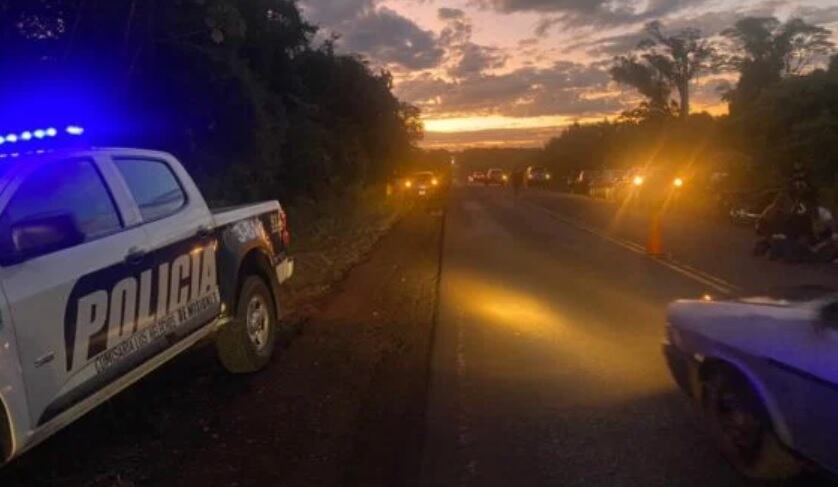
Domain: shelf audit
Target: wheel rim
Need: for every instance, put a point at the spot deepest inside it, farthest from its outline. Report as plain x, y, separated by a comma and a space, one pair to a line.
258, 322
740, 427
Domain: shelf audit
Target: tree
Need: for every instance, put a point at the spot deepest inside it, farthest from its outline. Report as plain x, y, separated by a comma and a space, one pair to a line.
763, 50
236, 88
665, 63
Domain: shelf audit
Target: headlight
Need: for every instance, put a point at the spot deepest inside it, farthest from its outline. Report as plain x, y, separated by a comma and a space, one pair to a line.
548, 177
408, 184
638, 180
434, 181
505, 177
678, 182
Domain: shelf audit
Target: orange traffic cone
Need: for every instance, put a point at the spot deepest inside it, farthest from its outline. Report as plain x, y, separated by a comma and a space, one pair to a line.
654, 246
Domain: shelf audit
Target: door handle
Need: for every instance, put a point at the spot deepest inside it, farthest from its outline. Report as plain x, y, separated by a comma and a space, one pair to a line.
45, 359
203, 233
135, 256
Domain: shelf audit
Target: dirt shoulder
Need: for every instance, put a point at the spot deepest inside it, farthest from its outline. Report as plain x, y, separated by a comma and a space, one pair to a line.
344, 404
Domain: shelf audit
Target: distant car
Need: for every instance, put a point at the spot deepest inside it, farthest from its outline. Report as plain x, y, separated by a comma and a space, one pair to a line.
537, 177
421, 184
477, 177
608, 184
580, 183
765, 370
496, 177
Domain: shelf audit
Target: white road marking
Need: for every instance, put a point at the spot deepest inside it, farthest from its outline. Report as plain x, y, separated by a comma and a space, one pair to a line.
690, 272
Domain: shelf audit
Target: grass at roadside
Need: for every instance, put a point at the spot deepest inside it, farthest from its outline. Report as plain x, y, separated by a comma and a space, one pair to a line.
330, 237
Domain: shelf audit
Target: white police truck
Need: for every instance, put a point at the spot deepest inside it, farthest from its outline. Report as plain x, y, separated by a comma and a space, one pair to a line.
765, 371
111, 264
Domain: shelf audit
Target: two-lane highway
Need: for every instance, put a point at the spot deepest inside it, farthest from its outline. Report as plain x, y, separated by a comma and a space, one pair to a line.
547, 367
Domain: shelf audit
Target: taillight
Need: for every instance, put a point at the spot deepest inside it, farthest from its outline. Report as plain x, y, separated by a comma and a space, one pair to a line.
285, 234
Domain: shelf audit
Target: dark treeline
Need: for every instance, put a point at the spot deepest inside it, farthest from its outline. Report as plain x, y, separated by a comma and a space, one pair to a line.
783, 106
238, 89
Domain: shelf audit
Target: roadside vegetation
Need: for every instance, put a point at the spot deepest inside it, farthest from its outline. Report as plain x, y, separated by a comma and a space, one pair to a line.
782, 94
246, 93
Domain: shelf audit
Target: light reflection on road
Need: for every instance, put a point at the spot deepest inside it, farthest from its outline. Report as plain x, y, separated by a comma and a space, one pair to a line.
572, 346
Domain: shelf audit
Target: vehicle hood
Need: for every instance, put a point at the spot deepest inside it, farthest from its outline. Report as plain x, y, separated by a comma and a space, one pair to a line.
754, 324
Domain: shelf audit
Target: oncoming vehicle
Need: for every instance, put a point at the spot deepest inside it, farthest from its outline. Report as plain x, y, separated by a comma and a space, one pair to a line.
496, 177
654, 184
422, 184
765, 370
537, 177
112, 264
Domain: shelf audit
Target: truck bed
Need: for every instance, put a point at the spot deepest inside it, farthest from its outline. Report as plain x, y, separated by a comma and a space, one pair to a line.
226, 215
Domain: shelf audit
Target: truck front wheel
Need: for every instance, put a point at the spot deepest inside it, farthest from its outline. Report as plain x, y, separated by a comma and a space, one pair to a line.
247, 343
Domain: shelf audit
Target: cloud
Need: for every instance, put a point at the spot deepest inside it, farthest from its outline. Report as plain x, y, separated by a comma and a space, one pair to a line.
476, 59
445, 13
588, 12
566, 88
388, 37
329, 13
710, 23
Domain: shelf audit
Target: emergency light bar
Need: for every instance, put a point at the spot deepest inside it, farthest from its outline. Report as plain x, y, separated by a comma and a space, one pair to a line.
27, 136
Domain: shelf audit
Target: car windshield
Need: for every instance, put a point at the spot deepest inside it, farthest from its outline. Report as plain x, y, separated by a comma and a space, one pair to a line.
423, 178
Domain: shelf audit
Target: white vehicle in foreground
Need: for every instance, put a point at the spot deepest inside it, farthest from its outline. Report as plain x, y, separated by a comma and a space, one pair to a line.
765, 371
111, 264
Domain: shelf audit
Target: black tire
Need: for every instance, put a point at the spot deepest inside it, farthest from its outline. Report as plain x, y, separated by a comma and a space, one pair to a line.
743, 429
243, 346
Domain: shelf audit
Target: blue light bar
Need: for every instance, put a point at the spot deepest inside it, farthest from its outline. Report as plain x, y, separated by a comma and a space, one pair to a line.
74, 130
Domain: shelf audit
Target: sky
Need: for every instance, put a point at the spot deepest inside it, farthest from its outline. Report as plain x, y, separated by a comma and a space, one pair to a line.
516, 72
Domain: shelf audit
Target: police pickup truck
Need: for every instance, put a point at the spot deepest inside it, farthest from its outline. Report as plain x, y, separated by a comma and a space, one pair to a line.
765, 371
111, 264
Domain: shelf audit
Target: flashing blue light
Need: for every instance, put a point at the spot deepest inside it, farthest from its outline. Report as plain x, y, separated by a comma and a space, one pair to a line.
2, 140
26, 136
11, 138
51, 132
39, 134
75, 130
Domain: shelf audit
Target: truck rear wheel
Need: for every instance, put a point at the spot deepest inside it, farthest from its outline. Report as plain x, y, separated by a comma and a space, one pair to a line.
743, 429
247, 343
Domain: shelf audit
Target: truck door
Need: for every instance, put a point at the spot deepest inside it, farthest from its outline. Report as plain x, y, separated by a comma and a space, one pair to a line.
63, 249
182, 241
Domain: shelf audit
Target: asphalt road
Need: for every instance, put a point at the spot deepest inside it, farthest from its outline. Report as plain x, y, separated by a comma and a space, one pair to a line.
546, 368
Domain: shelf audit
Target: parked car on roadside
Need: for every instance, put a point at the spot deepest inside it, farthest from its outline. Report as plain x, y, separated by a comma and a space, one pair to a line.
580, 183
496, 177
765, 371
746, 207
607, 184
112, 264
477, 177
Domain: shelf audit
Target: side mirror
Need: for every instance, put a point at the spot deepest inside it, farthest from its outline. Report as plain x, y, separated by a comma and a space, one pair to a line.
39, 236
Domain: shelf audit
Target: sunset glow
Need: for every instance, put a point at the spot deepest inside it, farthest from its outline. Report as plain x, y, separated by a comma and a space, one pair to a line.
516, 72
